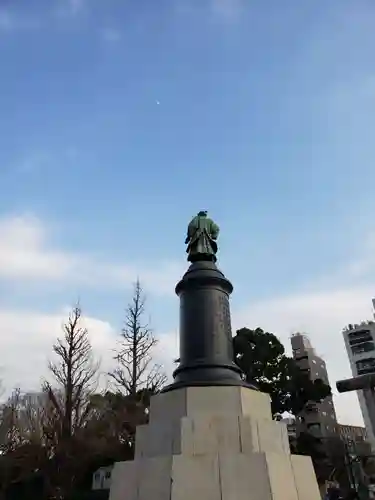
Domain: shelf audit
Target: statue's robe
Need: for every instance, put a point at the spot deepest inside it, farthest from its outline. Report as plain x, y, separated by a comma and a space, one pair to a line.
201, 235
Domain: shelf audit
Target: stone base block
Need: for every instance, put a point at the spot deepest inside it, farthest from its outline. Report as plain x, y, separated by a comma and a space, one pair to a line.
223, 476
193, 401
211, 434
213, 443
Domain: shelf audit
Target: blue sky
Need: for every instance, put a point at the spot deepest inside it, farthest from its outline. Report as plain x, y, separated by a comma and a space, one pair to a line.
121, 119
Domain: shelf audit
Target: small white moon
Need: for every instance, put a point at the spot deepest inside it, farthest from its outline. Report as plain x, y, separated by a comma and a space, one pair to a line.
158, 103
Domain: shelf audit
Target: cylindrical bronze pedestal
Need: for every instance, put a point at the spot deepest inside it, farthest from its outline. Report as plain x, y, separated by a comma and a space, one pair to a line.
206, 352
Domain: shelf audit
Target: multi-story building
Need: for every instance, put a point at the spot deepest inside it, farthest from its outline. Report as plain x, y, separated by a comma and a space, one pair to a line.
355, 440
353, 433
318, 419
360, 345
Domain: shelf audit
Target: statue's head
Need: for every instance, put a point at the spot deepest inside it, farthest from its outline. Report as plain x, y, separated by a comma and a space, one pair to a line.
202, 213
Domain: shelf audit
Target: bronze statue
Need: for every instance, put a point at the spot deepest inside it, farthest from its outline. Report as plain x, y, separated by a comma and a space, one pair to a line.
201, 238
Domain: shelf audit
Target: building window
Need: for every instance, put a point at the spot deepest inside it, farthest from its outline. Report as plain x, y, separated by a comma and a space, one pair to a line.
365, 365
364, 347
324, 413
311, 408
314, 428
359, 337
301, 358
305, 370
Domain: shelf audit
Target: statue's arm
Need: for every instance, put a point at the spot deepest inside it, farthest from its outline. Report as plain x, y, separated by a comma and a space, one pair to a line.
214, 230
192, 227
188, 237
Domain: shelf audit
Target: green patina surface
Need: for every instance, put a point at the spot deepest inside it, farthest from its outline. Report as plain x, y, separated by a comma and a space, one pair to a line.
201, 238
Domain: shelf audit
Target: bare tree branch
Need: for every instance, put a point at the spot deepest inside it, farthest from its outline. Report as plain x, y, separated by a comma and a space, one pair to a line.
134, 370
76, 375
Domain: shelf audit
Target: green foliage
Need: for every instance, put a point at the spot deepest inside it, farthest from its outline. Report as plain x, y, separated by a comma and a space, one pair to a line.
107, 437
261, 357
119, 415
309, 445
32, 460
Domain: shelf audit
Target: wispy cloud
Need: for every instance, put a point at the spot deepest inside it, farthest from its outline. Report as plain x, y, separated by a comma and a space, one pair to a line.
6, 22
26, 339
9, 22
228, 10
33, 163
35, 349
76, 5
111, 35
322, 315
222, 10
26, 254
322, 309
23, 252
39, 161
70, 8
364, 264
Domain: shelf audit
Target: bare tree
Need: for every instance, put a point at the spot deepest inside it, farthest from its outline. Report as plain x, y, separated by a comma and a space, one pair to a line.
47, 432
10, 423
21, 437
135, 371
21, 420
76, 373
67, 405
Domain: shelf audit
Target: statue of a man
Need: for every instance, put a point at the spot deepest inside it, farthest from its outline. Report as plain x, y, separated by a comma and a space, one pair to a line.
201, 238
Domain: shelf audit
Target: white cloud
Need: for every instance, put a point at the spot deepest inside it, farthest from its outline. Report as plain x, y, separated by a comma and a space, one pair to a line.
26, 339
167, 351
25, 253
322, 315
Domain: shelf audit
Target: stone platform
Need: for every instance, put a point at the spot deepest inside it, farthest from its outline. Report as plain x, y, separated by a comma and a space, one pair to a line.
213, 443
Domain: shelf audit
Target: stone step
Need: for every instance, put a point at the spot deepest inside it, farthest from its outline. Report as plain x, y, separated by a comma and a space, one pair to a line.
191, 401
209, 434
220, 476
